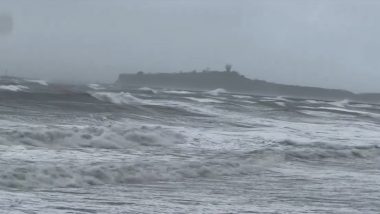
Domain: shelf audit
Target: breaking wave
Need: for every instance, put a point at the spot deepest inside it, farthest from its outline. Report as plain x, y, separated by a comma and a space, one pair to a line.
342, 111
179, 92
110, 152
124, 98
41, 82
121, 98
204, 100
37, 175
216, 92
123, 136
341, 103
13, 87
148, 90
176, 167
316, 151
113, 137
136, 144
95, 86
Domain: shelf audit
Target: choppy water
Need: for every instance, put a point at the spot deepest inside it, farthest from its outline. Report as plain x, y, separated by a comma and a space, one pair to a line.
147, 151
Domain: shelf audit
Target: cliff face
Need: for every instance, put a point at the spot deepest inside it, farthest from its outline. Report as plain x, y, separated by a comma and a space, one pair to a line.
231, 81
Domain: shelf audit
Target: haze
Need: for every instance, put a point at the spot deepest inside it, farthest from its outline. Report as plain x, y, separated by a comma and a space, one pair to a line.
326, 43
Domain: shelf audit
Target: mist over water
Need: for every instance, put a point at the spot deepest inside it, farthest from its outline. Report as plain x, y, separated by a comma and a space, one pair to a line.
6, 24
332, 44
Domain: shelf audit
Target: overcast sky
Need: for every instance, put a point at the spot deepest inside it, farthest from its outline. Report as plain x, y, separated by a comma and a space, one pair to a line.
327, 43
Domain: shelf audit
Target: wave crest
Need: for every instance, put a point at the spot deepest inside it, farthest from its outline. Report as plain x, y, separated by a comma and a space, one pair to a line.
121, 98
316, 151
114, 137
216, 92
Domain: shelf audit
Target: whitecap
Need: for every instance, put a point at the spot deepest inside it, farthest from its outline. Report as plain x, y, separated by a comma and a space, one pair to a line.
204, 100
242, 96
13, 87
95, 86
280, 104
121, 98
178, 92
341, 103
216, 92
147, 89
41, 82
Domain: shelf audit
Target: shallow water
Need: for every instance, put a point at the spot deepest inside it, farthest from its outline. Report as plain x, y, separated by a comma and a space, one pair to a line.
165, 151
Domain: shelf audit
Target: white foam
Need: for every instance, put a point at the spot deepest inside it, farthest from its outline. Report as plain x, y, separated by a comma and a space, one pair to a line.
278, 98
321, 114
281, 104
121, 153
124, 98
41, 82
364, 113
216, 92
112, 136
204, 100
95, 86
359, 105
178, 92
341, 103
134, 169
314, 101
147, 89
121, 98
248, 101
281, 98
242, 96
108, 155
344, 110
13, 87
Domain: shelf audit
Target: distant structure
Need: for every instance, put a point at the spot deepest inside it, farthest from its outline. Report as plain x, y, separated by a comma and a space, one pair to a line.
230, 80
228, 67
190, 80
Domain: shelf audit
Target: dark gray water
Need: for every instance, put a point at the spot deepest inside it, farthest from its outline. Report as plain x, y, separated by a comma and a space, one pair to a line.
165, 151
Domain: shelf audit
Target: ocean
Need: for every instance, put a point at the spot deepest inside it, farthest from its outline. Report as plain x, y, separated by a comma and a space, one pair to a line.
176, 151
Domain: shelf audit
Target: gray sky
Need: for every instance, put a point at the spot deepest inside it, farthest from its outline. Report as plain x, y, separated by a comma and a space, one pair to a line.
328, 43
